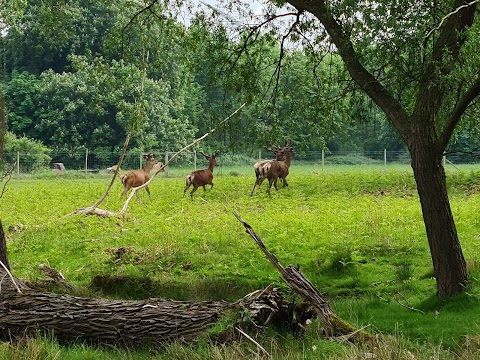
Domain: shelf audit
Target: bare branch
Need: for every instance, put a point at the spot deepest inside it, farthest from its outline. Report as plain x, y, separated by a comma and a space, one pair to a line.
11, 277
450, 14
161, 168
278, 68
8, 176
254, 342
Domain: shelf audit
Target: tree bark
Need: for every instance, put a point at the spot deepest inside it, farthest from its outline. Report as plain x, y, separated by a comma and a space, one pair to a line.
3, 247
3, 125
99, 321
449, 264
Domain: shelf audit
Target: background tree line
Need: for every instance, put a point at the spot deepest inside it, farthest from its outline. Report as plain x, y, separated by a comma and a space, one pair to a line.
82, 74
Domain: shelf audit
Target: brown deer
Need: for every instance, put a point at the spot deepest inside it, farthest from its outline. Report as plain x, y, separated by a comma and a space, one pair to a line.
138, 177
259, 166
275, 169
112, 168
201, 177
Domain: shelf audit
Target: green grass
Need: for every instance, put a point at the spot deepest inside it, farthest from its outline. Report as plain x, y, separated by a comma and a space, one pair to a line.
357, 235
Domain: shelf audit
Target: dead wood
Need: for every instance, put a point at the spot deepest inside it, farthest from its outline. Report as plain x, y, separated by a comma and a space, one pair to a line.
161, 168
138, 322
332, 325
100, 321
28, 312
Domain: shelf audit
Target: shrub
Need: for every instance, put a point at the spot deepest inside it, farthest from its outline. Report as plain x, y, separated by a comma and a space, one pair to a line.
33, 154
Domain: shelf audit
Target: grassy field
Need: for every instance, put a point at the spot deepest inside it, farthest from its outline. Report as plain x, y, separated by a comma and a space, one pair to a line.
356, 233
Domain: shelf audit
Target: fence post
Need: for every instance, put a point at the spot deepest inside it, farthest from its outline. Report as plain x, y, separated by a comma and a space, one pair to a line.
259, 155
166, 162
195, 159
140, 160
86, 161
385, 157
18, 162
323, 160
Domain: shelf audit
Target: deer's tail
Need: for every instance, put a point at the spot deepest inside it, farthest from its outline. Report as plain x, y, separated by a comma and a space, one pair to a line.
123, 178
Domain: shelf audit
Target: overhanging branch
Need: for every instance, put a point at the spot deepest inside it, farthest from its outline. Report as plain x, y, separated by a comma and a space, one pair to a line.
472, 93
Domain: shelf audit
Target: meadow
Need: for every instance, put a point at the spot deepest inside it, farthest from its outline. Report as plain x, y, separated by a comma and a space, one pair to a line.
356, 233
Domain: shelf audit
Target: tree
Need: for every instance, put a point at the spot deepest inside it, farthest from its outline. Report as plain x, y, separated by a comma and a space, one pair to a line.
42, 34
416, 62
423, 82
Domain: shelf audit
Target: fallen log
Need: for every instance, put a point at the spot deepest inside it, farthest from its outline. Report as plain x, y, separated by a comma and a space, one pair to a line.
100, 321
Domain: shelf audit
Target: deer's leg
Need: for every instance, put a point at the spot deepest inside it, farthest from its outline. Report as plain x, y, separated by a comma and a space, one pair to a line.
148, 190
254, 185
285, 182
187, 185
270, 182
193, 190
204, 188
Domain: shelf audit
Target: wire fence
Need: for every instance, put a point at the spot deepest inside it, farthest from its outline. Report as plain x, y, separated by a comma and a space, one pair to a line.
94, 162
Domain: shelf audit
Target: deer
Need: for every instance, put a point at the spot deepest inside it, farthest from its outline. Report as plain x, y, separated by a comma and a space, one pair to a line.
112, 168
276, 169
259, 166
202, 177
138, 177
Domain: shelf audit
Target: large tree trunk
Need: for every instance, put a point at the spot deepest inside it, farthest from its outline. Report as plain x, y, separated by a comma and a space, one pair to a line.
448, 262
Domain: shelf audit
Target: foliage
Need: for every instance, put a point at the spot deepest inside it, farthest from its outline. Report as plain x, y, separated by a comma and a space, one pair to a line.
35, 155
94, 107
206, 71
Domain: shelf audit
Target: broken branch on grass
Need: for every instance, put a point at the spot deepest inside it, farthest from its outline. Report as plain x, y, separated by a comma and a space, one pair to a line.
333, 326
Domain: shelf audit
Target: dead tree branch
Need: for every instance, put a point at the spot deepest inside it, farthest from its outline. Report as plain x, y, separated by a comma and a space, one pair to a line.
450, 14
332, 325
93, 210
161, 168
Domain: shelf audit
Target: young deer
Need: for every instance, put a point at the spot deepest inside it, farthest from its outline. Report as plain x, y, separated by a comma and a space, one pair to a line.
275, 169
259, 166
138, 177
201, 177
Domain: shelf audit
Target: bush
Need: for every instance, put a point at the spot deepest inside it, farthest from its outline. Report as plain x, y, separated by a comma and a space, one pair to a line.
33, 154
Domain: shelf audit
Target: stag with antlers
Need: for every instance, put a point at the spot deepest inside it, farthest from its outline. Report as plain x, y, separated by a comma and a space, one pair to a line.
276, 169
259, 166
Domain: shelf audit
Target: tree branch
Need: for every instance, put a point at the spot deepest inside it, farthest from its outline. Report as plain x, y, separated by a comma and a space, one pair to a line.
459, 110
161, 168
367, 82
450, 14
332, 325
